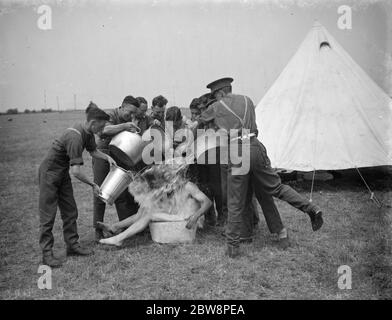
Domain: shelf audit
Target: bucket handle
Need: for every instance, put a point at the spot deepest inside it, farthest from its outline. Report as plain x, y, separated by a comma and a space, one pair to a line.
138, 130
129, 172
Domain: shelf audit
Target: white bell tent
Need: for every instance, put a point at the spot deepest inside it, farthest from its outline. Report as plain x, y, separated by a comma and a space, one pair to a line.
324, 112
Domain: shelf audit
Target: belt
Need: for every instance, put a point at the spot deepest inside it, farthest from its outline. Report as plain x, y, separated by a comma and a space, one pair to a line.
247, 136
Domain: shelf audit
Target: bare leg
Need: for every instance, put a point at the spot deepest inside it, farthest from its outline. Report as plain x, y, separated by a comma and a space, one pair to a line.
115, 227
126, 222
138, 226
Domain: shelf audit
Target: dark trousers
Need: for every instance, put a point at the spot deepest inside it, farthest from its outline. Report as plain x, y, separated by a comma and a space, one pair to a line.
210, 177
55, 190
250, 216
266, 182
214, 175
125, 203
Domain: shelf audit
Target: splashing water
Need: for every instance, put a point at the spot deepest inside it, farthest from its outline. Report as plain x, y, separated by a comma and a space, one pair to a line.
159, 188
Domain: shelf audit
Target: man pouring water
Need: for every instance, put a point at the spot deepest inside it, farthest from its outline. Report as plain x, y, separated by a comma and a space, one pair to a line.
55, 187
120, 119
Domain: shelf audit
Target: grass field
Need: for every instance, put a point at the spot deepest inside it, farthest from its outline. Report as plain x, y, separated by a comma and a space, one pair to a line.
356, 233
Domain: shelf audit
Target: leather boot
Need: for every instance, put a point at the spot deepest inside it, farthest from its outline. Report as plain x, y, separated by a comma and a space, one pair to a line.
283, 239
78, 250
233, 251
316, 219
49, 260
99, 235
284, 243
246, 239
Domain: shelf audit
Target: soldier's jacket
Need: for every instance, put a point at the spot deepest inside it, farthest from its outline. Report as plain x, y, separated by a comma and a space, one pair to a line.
233, 111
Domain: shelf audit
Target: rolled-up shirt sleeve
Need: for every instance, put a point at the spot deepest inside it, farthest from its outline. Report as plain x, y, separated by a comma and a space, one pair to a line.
74, 147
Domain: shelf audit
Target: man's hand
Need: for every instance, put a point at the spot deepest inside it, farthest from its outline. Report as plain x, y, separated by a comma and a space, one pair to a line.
131, 127
111, 161
192, 220
156, 122
96, 190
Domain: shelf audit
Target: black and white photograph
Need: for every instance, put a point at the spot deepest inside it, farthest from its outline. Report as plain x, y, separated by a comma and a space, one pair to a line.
195, 154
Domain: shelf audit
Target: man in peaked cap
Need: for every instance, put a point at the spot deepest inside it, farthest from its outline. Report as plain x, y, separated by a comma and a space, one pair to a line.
233, 111
216, 177
219, 84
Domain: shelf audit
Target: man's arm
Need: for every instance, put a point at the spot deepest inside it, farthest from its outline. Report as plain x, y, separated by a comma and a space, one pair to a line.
100, 155
112, 129
78, 174
74, 147
207, 115
200, 197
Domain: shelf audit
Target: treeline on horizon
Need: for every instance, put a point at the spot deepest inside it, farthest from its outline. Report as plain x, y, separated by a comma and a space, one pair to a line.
16, 111
49, 110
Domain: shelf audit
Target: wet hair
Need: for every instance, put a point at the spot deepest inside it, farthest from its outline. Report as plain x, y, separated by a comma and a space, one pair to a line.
158, 182
159, 101
194, 103
165, 176
173, 114
155, 180
141, 100
95, 113
131, 100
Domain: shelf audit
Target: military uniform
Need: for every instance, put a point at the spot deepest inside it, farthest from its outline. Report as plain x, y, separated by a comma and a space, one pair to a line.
237, 112
216, 176
250, 218
55, 187
125, 203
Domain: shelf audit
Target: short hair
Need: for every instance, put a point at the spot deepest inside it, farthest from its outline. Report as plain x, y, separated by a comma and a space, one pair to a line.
205, 98
173, 114
159, 101
131, 100
141, 100
227, 89
195, 103
95, 113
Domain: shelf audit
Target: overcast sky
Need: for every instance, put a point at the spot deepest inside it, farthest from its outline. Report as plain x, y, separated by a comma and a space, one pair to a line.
104, 50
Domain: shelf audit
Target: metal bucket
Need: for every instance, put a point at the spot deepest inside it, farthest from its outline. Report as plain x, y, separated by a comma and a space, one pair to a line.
126, 148
114, 184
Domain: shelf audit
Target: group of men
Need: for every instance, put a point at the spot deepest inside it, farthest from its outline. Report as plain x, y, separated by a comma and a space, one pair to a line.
232, 193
